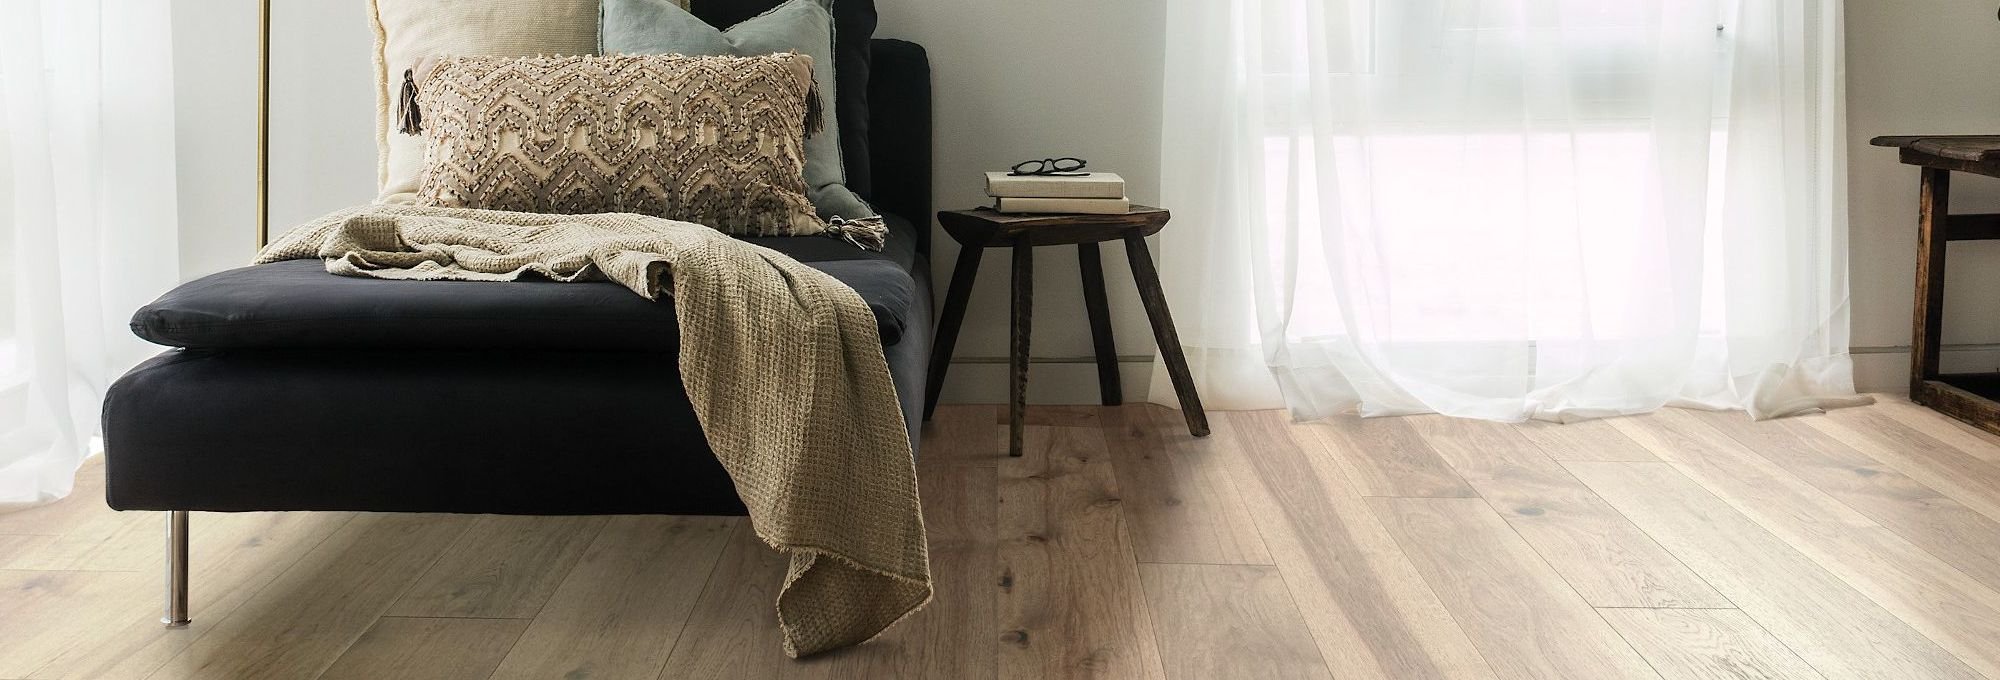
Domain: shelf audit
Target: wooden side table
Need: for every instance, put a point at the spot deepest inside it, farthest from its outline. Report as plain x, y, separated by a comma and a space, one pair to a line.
1969, 397
977, 230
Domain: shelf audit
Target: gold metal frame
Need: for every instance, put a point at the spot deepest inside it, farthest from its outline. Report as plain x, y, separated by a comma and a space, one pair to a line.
263, 123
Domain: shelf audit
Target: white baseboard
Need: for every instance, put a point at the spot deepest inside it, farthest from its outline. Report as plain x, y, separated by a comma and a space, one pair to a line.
1887, 369
1074, 380
1050, 381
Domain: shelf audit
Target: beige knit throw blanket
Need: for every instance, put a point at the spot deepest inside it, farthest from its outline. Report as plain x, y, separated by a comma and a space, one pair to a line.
782, 362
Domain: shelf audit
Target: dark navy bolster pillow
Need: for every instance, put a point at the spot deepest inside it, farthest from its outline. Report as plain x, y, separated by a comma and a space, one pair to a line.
853, 27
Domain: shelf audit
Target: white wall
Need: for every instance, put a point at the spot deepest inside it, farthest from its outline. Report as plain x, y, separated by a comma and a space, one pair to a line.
1918, 67
1032, 78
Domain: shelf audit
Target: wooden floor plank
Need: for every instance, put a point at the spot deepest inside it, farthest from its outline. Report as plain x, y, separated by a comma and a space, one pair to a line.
1369, 611
1942, 602
1591, 440
1835, 628
44, 614
732, 632
1962, 476
232, 556
1071, 604
1229, 621
1956, 534
1707, 644
1951, 431
1385, 457
1525, 619
1596, 550
297, 626
621, 608
84, 503
505, 567
1177, 502
955, 435
427, 649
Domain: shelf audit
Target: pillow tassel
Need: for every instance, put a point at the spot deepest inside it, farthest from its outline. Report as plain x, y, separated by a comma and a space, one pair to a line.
866, 233
409, 119
815, 110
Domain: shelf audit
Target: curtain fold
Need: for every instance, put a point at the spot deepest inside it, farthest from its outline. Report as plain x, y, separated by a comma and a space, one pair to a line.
1508, 209
87, 220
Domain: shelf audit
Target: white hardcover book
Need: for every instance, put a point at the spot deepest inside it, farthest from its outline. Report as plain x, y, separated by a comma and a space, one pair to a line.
1090, 185
1084, 206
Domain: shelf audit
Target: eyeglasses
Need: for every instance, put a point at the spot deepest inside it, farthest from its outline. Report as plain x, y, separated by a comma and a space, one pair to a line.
1065, 167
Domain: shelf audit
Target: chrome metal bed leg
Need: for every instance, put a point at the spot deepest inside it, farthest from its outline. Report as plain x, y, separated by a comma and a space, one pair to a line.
177, 570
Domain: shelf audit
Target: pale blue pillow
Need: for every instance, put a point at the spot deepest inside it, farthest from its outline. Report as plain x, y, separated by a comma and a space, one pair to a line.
802, 26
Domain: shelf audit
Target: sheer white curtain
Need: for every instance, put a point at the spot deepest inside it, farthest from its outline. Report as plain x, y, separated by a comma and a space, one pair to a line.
87, 220
1508, 209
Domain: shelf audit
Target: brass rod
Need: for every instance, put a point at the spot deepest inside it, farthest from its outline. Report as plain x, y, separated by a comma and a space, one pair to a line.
263, 123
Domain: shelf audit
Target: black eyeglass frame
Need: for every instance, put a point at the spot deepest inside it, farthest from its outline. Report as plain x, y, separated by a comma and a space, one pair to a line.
1051, 167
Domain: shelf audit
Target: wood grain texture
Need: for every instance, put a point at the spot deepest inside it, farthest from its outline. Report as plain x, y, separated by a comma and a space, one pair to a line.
1863, 570
1926, 328
1945, 528
1229, 621
1948, 430
963, 275
1707, 644
346, 583
622, 607
235, 556
732, 632
1940, 601
1961, 476
427, 649
1104, 346
1177, 502
1387, 457
1062, 523
1020, 326
1610, 562
504, 567
1367, 607
1593, 440
1838, 630
1168, 339
1525, 620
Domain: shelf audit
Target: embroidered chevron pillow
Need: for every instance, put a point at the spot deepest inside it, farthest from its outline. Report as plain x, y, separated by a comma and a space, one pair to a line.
718, 141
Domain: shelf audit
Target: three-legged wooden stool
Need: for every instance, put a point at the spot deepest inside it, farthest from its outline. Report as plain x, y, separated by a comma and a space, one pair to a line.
977, 230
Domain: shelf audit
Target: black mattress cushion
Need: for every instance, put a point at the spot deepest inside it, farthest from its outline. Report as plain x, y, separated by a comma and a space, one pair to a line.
853, 27
448, 430
297, 305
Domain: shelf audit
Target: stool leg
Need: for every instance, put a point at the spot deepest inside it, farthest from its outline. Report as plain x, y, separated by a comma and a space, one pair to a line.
946, 341
1109, 390
1017, 355
177, 570
1934, 209
1148, 280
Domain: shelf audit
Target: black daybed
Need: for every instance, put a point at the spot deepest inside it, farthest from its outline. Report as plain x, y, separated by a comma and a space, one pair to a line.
274, 399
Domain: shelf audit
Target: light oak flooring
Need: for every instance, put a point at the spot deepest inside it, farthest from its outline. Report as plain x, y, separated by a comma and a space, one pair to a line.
1859, 544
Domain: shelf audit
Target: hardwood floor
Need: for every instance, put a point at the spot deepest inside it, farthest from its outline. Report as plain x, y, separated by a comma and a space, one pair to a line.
1859, 544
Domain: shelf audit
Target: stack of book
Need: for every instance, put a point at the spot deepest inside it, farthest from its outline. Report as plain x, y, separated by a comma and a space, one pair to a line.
1090, 193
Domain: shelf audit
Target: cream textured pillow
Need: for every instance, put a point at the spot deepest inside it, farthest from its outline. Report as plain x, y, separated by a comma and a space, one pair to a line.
718, 141
409, 31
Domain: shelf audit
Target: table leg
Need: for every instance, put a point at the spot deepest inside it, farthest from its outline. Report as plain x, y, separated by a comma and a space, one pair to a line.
1017, 355
1155, 298
1109, 391
962, 276
1934, 208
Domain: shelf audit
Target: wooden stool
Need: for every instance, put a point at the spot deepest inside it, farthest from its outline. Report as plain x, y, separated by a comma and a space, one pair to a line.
977, 230
1965, 396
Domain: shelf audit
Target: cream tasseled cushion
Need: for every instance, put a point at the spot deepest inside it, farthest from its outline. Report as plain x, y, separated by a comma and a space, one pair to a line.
408, 31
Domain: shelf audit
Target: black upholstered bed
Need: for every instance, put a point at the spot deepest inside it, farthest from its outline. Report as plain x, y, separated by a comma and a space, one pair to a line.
293, 389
